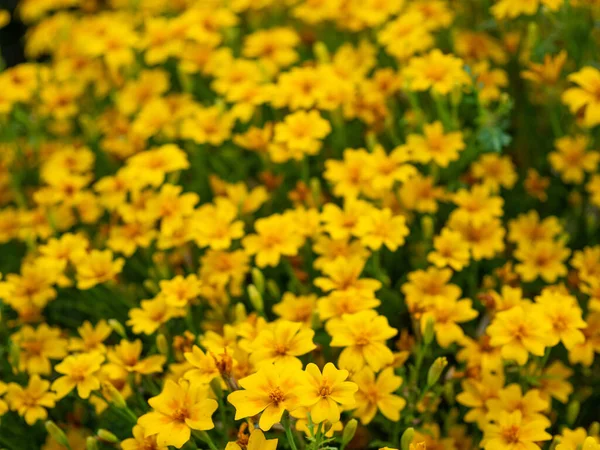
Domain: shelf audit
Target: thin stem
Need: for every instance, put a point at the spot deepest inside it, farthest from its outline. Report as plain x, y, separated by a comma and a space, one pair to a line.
288, 431
204, 437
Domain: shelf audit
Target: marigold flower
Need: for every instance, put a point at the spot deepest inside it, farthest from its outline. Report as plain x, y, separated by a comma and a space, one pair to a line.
79, 371
322, 392
177, 410
270, 390
378, 394
31, 402
363, 337
519, 332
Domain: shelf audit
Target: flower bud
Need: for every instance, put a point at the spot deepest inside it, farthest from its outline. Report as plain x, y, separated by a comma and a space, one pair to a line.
113, 396
407, 438
91, 443
594, 429
273, 289
427, 227
429, 332
316, 191
554, 443
255, 298
107, 436
572, 412
119, 329
162, 344
57, 434
436, 369
349, 431
14, 356
258, 279
151, 286
215, 385
321, 52
240, 312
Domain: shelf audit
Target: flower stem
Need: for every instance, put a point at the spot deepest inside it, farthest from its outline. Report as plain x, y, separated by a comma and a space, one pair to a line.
288, 431
204, 437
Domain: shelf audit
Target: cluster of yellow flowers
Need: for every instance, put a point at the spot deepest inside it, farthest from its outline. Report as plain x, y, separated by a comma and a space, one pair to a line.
301, 224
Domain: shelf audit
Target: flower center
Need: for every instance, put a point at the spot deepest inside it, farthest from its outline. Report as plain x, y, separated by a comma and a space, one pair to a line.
511, 434
362, 340
180, 414
281, 349
276, 396
324, 391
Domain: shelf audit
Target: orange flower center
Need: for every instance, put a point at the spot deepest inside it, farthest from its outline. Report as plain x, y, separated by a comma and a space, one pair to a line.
180, 414
33, 347
511, 434
362, 340
324, 391
281, 349
276, 396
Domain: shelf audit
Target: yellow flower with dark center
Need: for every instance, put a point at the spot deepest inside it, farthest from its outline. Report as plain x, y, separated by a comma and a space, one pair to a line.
269, 391
177, 410
79, 371
31, 402
323, 393
378, 394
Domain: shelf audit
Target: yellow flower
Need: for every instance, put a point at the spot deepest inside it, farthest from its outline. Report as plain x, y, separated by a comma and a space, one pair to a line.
590, 443
435, 145
519, 332
282, 343
96, 268
512, 432
543, 259
547, 73
139, 441
363, 335
513, 8
511, 399
275, 236
584, 99
177, 410
344, 275
494, 170
152, 314
257, 441
572, 159
78, 371
31, 402
420, 194
477, 205
216, 224
446, 315
92, 338
406, 35
436, 71
528, 229
322, 392
554, 382
476, 394
204, 366
38, 347
564, 315
125, 357
374, 394
381, 228
450, 250
296, 308
270, 391
4, 18
179, 291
